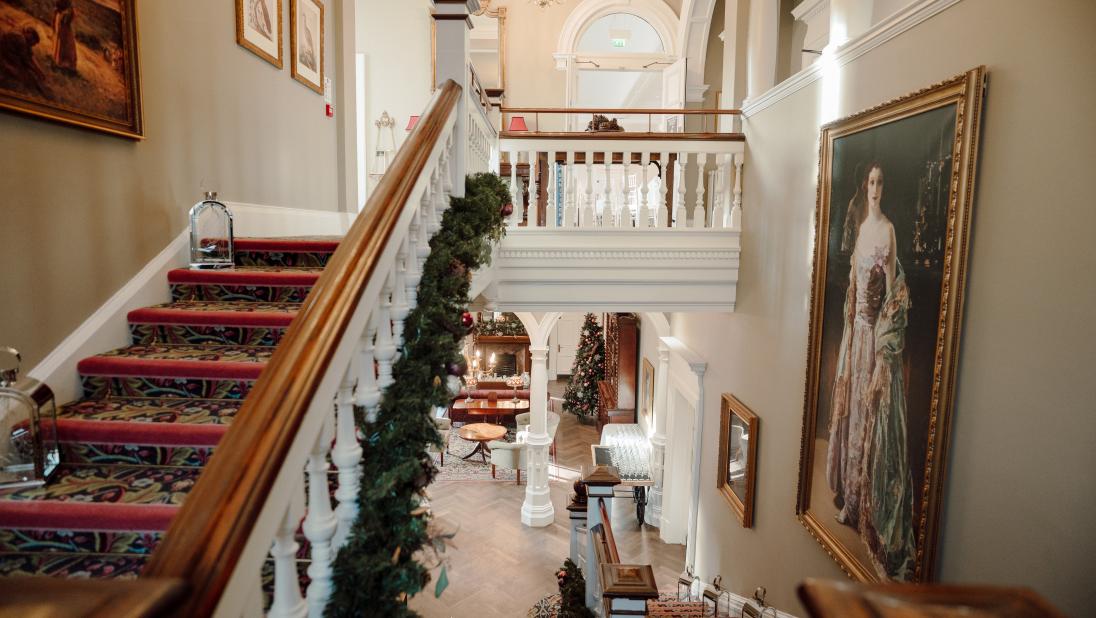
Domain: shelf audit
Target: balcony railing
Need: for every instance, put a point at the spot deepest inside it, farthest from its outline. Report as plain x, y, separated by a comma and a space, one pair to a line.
625, 179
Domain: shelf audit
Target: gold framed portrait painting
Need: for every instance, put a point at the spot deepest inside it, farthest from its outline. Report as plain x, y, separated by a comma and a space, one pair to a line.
306, 43
736, 478
892, 233
259, 28
72, 61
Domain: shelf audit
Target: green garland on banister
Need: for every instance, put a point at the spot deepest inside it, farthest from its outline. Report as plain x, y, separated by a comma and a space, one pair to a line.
377, 571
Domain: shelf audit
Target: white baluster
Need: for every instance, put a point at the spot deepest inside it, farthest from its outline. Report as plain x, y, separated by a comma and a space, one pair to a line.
440, 197
399, 295
701, 179
551, 215
515, 189
447, 169
588, 210
625, 218
319, 523
385, 347
569, 200
720, 199
736, 209
534, 200
663, 186
347, 454
679, 189
644, 221
368, 394
287, 602
607, 207
423, 215
413, 273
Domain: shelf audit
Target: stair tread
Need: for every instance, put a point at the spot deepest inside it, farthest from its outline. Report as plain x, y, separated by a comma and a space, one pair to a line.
187, 360
217, 312
249, 275
304, 244
100, 497
146, 421
71, 564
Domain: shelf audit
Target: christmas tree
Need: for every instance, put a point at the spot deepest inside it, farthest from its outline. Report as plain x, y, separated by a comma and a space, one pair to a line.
581, 397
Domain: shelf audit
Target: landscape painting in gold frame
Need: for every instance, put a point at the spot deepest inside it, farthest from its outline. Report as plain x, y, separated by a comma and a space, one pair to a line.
892, 234
72, 61
736, 478
306, 42
259, 28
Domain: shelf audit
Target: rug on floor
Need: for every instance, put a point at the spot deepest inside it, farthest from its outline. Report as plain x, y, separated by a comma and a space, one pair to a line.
471, 469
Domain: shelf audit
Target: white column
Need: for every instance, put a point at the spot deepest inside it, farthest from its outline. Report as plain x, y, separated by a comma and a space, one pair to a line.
347, 454
658, 439
763, 43
698, 444
537, 511
319, 524
452, 45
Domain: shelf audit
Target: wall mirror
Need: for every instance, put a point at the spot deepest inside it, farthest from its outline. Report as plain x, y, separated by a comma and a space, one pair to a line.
738, 457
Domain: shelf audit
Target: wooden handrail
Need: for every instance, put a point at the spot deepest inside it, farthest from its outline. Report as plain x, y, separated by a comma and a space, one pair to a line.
596, 110
206, 539
76, 598
610, 540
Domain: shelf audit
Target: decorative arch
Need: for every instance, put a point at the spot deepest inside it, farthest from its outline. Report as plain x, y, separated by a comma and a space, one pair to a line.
655, 12
693, 30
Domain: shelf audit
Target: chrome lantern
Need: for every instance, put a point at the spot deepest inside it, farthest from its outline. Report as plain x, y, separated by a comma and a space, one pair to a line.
211, 234
29, 452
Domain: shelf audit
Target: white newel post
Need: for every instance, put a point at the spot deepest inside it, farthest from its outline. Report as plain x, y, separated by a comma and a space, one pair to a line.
347, 454
600, 485
537, 511
452, 23
320, 523
658, 440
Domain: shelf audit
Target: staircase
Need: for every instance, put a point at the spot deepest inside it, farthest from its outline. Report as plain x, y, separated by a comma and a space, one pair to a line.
152, 413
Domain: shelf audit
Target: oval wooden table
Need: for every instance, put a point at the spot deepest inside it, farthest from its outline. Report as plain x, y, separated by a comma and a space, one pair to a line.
481, 434
493, 410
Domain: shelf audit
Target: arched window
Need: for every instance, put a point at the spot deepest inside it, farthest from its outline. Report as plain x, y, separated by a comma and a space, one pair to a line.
620, 33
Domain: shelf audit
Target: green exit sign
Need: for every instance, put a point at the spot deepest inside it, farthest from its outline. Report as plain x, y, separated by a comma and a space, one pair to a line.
620, 42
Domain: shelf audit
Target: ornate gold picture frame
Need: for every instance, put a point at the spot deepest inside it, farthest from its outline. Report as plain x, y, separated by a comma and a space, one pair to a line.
73, 62
307, 43
648, 403
736, 478
259, 28
892, 234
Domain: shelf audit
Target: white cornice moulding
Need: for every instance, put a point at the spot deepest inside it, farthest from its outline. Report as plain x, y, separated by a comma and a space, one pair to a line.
695, 94
878, 34
809, 8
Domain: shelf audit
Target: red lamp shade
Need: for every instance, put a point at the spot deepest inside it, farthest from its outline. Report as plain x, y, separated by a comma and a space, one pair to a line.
517, 123
411, 122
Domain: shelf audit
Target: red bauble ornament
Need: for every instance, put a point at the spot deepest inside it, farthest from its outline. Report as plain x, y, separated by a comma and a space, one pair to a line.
467, 321
507, 210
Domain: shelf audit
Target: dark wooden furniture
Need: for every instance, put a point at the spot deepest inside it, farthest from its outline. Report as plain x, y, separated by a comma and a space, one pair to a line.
618, 392
833, 599
495, 411
481, 434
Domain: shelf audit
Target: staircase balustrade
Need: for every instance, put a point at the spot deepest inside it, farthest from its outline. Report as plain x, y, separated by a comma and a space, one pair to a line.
269, 478
624, 180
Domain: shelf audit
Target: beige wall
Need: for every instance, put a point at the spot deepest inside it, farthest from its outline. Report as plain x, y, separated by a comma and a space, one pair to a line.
83, 211
1021, 492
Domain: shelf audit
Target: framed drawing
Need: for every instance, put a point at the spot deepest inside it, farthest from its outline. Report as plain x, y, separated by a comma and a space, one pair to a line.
306, 43
892, 234
737, 474
648, 404
259, 28
72, 61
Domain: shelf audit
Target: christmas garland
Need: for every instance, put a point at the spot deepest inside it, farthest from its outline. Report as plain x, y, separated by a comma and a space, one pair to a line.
508, 325
377, 570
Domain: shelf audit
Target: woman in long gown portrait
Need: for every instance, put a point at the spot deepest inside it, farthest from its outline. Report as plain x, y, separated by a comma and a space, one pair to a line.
867, 465
64, 36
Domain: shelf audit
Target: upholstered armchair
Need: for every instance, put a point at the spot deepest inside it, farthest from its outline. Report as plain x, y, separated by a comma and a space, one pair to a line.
444, 426
523, 421
507, 455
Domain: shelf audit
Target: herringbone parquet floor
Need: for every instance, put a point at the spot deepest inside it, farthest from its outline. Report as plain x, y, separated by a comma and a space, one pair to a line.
499, 567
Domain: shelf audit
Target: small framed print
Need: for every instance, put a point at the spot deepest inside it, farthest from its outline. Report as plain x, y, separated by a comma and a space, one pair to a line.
259, 28
306, 43
737, 473
648, 403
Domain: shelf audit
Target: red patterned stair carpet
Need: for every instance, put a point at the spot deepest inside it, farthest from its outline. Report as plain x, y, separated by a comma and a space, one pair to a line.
153, 411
